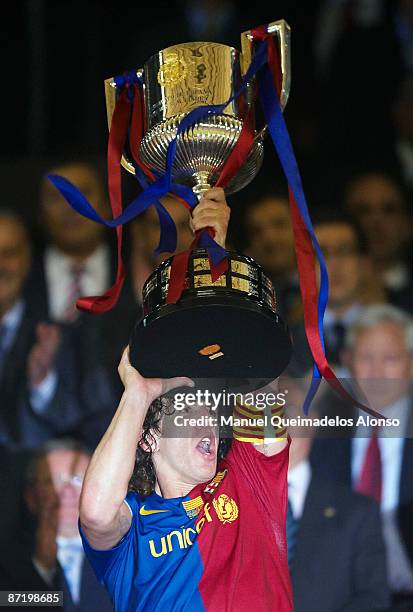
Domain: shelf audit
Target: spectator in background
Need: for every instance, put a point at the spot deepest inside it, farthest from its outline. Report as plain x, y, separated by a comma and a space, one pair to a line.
52, 558
42, 393
271, 243
379, 461
145, 234
335, 544
379, 203
344, 246
76, 260
29, 384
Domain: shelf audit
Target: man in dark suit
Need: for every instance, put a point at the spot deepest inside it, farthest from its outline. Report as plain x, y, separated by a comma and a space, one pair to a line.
41, 391
19, 334
78, 260
378, 461
379, 200
53, 558
336, 548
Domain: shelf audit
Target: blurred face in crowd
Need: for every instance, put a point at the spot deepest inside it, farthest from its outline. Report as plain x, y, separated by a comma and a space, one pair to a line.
14, 261
340, 247
377, 203
146, 230
270, 235
69, 231
381, 363
60, 475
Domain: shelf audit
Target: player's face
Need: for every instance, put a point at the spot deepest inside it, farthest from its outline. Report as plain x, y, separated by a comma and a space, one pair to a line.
191, 458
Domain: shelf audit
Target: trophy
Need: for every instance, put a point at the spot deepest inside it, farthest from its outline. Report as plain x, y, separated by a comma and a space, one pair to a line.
230, 327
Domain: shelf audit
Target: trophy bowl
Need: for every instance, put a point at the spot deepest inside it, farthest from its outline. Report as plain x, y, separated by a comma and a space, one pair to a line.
183, 77
225, 329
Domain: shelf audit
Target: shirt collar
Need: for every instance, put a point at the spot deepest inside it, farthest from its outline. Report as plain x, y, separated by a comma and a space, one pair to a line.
346, 319
300, 475
72, 542
13, 316
93, 263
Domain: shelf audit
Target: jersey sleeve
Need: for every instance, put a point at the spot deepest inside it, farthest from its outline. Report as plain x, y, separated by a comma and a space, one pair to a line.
108, 564
264, 476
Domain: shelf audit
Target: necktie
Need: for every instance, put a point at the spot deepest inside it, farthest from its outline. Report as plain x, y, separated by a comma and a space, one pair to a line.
77, 271
335, 341
370, 479
69, 560
292, 527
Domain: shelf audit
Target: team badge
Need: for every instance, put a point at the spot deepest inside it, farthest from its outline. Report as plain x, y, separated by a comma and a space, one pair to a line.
215, 482
193, 506
172, 71
226, 508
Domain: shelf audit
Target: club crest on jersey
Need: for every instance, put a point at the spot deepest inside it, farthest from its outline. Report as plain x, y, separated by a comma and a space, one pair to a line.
226, 508
193, 506
215, 482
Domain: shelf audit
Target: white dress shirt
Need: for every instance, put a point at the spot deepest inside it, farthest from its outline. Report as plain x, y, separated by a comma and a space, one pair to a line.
58, 271
391, 450
70, 555
11, 321
299, 478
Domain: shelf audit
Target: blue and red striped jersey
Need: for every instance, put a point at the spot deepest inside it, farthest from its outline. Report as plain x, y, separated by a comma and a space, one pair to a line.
222, 548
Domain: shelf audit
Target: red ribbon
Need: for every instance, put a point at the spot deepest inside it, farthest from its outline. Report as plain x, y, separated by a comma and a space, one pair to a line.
117, 138
179, 267
306, 262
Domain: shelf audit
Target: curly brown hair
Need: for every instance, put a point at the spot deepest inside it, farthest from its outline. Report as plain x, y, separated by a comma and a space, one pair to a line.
144, 476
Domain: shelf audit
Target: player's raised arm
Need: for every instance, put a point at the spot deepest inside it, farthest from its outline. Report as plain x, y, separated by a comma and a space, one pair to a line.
261, 426
103, 515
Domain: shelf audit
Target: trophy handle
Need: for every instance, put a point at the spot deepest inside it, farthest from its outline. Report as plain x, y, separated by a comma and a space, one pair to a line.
110, 94
282, 30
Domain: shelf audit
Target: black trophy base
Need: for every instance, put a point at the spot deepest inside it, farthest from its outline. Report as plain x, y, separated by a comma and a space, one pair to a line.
212, 338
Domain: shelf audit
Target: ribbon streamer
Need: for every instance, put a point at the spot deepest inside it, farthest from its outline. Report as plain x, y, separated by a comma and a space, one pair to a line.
305, 239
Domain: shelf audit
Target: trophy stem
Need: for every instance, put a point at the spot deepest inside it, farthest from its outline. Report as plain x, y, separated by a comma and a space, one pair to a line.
201, 185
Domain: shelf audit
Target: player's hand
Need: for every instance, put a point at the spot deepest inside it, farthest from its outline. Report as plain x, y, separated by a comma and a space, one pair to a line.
149, 389
212, 211
41, 357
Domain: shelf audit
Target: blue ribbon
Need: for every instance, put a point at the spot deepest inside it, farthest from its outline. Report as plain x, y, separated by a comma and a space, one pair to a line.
153, 192
283, 146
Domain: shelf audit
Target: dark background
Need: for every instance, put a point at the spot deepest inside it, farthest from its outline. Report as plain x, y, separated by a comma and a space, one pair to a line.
56, 56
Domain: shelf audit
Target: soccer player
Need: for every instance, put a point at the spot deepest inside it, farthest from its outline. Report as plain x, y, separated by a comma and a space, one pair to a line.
189, 535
